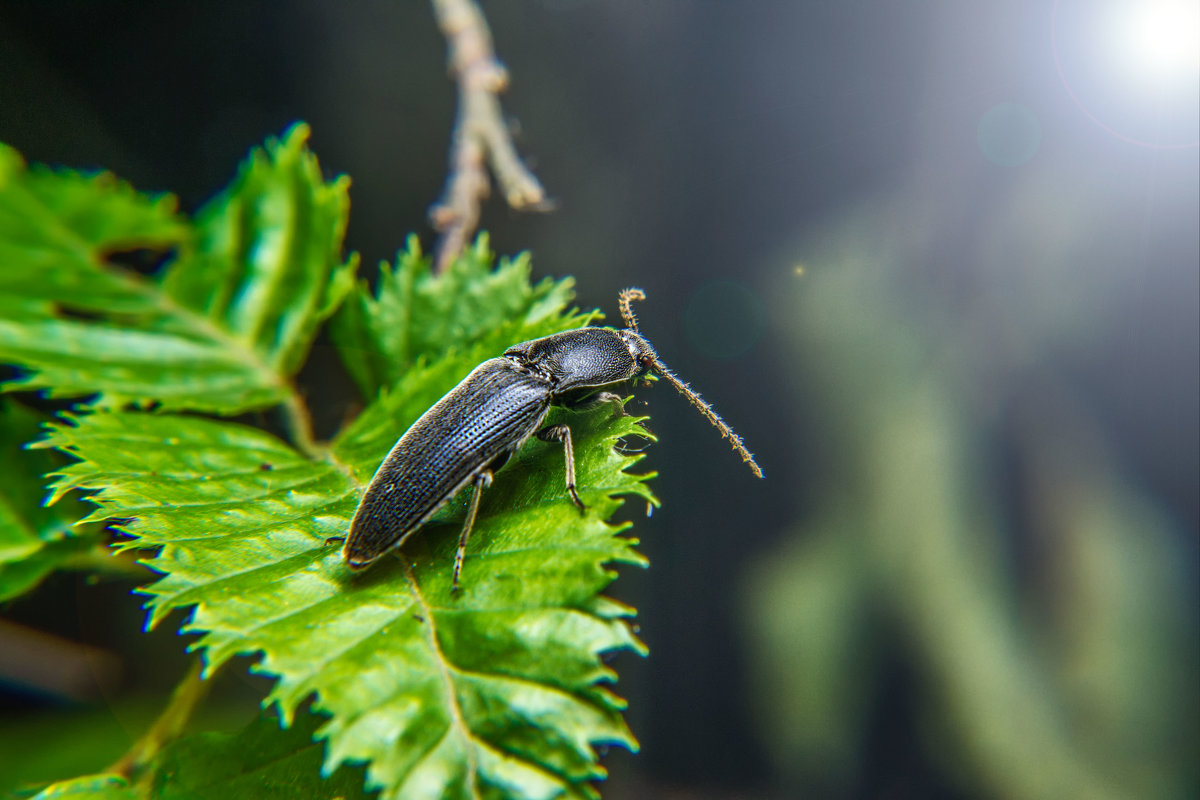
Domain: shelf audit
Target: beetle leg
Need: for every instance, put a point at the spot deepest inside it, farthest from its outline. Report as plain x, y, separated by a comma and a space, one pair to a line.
480, 482
561, 433
591, 401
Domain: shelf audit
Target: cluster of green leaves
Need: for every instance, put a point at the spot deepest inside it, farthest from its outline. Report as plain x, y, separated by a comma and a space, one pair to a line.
499, 691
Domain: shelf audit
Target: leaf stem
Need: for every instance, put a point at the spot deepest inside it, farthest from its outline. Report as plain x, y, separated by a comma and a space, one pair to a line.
102, 560
169, 725
299, 425
298, 420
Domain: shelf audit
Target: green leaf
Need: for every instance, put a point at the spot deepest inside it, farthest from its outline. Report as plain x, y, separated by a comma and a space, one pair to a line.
497, 691
58, 228
267, 267
90, 787
260, 762
415, 314
34, 540
224, 326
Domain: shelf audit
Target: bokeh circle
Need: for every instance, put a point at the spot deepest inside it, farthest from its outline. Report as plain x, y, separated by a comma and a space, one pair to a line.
1009, 134
724, 319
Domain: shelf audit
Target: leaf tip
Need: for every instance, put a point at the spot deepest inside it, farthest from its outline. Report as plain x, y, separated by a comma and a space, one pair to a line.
296, 135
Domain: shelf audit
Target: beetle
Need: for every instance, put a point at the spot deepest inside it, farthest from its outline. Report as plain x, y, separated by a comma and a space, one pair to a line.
480, 423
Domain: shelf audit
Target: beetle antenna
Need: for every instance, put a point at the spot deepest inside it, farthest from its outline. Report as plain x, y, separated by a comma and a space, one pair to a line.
704, 408
624, 302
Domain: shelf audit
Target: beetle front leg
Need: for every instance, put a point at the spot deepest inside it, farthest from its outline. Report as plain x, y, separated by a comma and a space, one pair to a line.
561, 433
481, 482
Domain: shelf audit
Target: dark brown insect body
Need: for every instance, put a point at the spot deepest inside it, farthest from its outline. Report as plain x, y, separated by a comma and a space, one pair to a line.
472, 431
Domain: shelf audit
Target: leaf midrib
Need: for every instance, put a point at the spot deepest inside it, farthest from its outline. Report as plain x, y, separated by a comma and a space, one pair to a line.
451, 697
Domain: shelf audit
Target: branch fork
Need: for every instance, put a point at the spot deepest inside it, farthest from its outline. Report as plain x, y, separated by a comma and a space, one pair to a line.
481, 137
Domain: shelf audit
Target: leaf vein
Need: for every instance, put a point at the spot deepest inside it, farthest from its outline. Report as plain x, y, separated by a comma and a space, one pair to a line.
451, 697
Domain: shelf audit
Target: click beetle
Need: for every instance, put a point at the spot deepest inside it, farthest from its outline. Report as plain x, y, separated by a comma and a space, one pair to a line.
472, 431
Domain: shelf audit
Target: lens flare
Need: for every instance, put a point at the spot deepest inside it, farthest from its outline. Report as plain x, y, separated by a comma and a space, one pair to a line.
1161, 38
1132, 67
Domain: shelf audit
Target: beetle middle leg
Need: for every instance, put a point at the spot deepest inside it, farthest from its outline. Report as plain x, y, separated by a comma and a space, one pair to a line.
480, 482
561, 433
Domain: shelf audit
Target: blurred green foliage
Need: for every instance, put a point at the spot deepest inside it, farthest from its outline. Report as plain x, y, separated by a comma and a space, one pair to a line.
1036, 593
35, 540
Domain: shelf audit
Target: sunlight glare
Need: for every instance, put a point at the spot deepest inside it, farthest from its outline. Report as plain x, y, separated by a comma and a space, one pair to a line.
1161, 38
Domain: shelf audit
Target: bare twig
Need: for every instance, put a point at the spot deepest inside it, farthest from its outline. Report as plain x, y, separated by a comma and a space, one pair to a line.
480, 135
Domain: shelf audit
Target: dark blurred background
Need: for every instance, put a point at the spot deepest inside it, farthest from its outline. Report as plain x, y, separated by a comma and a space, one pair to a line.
936, 262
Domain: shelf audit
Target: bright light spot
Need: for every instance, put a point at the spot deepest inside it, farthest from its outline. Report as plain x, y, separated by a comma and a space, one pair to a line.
1133, 67
798, 270
1161, 38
